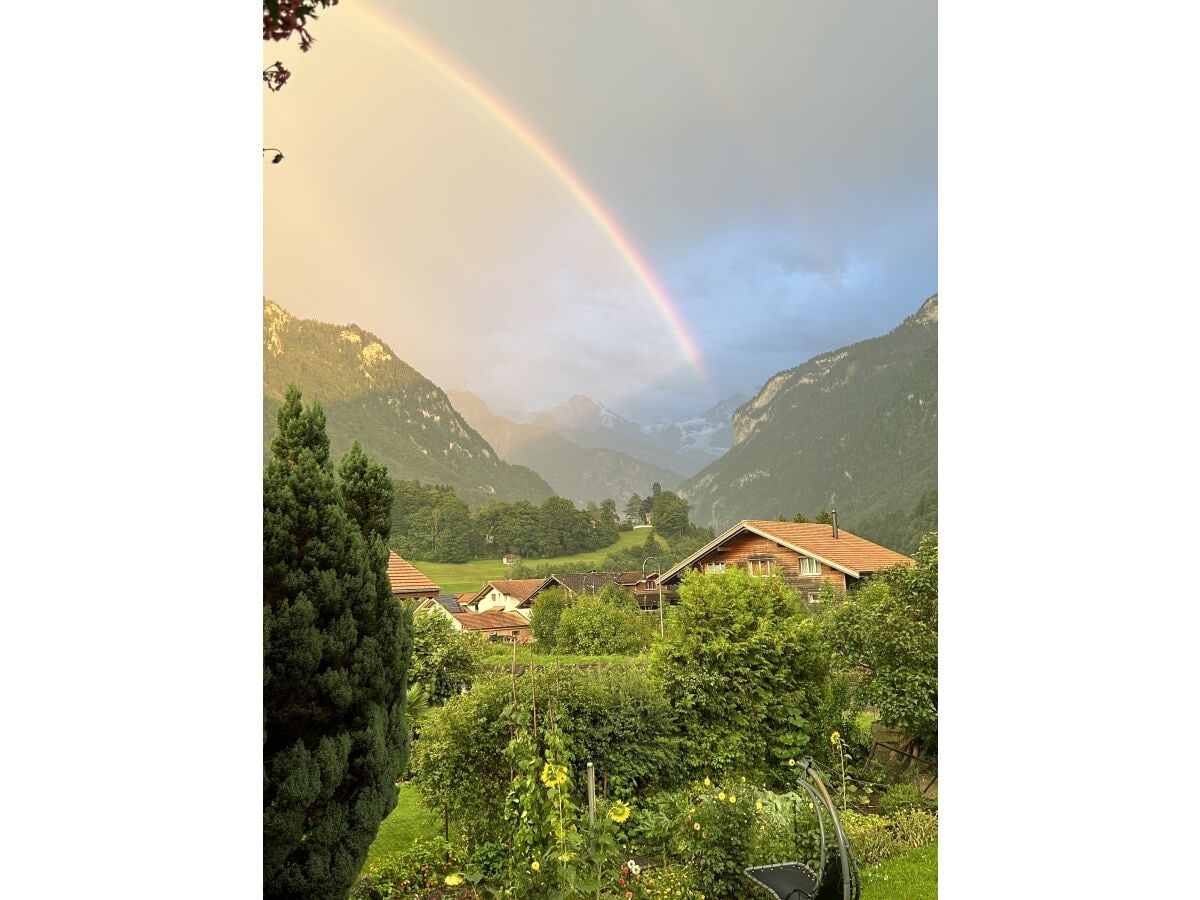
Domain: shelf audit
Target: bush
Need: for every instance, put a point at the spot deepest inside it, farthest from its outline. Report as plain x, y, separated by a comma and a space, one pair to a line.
616, 718
721, 842
915, 827
608, 622
543, 620
444, 661
900, 796
870, 838
745, 669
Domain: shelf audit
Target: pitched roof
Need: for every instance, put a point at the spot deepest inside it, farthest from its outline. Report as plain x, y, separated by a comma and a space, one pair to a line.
522, 588
493, 618
847, 552
405, 578
450, 603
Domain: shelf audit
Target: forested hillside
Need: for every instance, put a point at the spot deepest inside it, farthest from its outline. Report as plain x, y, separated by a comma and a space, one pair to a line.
854, 429
402, 419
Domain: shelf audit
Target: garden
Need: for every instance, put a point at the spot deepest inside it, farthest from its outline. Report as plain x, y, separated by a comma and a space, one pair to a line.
612, 763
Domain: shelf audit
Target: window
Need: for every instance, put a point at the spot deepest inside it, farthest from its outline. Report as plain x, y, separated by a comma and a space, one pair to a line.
759, 567
809, 566
814, 597
713, 568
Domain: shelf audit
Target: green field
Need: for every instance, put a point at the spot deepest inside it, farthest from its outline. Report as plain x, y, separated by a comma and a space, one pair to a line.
455, 578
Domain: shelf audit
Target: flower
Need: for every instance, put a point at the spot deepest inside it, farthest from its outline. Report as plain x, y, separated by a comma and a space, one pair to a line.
835, 738
454, 878
791, 762
697, 826
553, 776
732, 798
619, 811
707, 782
629, 893
758, 804
565, 857
535, 865
721, 796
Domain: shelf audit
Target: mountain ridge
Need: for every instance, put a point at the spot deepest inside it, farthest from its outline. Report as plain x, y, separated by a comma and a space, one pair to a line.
854, 427
400, 418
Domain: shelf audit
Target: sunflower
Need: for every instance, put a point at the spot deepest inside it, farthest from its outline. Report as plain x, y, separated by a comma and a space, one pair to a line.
454, 879
619, 811
553, 776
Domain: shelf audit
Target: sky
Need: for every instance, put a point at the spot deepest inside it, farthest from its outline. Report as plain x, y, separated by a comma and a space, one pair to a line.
653, 204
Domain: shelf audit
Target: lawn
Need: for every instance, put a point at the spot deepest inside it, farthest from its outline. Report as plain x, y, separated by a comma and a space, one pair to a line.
906, 876
471, 576
408, 822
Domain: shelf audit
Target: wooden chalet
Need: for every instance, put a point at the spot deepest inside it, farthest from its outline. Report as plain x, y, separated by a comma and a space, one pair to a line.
514, 595
807, 556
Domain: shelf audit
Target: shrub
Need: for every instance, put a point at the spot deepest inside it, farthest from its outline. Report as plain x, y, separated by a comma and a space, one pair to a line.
543, 620
722, 839
668, 882
915, 827
746, 672
444, 661
900, 796
616, 718
608, 622
870, 838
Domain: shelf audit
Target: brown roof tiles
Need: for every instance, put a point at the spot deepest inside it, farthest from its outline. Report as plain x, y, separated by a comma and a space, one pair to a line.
406, 579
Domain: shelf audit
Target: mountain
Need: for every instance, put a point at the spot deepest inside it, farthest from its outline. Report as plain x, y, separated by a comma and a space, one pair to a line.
685, 446
854, 429
581, 473
402, 419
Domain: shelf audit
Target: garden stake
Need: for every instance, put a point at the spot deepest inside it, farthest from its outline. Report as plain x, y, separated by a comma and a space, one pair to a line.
591, 770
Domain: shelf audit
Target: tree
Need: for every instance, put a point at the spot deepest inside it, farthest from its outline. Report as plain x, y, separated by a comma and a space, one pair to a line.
607, 622
633, 510
746, 671
669, 514
887, 630
336, 648
282, 19
548, 606
823, 517
366, 492
444, 661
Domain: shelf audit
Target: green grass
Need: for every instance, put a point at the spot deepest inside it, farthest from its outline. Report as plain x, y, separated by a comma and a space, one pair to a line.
906, 876
408, 822
471, 576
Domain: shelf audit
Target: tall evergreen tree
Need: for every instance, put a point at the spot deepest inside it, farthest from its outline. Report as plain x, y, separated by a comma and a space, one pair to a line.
336, 648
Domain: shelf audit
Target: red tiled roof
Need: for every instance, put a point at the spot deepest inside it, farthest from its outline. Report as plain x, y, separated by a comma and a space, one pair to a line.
846, 549
494, 618
522, 588
405, 578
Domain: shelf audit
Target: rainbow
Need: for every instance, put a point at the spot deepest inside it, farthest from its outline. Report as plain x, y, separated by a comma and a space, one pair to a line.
540, 148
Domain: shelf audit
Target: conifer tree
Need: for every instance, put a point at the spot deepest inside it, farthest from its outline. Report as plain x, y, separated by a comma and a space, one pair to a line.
336, 648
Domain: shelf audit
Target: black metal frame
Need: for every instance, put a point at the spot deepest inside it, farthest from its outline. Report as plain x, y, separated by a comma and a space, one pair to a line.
801, 881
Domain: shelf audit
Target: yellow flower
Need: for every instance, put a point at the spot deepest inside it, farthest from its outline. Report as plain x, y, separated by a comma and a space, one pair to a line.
565, 857
619, 811
454, 878
553, 776
535, 865
707, 783
732, 798
791, 762
721, 796
835, 738
758, 804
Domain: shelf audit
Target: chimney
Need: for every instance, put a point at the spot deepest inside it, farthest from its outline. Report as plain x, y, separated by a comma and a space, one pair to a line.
835, 531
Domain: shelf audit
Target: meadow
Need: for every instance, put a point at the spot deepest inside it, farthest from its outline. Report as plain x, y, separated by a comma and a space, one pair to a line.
456, 578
